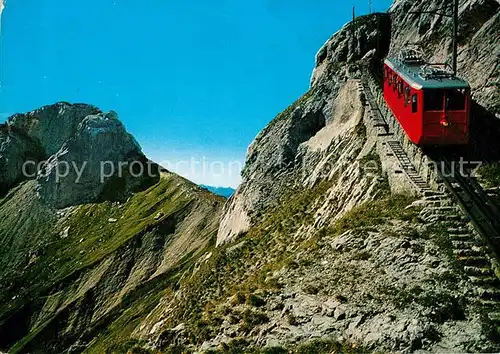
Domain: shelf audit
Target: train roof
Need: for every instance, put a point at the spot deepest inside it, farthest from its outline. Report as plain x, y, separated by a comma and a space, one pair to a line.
430, 78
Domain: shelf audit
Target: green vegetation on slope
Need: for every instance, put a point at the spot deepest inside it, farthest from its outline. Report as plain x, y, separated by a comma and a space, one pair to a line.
271, 245
239, 346
58, 250
319, 346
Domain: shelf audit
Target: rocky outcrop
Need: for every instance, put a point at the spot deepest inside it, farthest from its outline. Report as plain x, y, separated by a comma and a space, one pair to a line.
352, 43
80, 170
479, 51
52, 125
67, 149
15, 149
273, 153
283, 154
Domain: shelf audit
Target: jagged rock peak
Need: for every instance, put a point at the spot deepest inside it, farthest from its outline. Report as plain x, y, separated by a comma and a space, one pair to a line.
73, 150
351, 43
89, 157
52, 125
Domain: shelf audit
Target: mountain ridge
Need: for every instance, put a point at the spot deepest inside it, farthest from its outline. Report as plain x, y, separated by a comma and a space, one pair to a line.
101, 244
225, 192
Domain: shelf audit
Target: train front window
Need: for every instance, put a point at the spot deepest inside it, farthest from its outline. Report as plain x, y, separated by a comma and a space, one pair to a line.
433, 100
455, 100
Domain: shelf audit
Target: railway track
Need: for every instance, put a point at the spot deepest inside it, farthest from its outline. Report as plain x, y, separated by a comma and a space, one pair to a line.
472, 253
377, 113
480, 209
463, 203
473, 201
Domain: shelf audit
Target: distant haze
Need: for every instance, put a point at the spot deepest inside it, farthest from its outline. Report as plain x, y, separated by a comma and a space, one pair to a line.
222, 191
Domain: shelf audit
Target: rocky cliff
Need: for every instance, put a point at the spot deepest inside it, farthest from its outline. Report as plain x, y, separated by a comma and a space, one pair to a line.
478, 54
36, 136
66, 149
304, 143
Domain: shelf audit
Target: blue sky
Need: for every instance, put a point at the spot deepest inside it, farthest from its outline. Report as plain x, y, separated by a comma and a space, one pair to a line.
193, 81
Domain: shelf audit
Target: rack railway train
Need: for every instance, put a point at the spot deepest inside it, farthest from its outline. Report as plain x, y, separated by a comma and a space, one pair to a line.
430, 102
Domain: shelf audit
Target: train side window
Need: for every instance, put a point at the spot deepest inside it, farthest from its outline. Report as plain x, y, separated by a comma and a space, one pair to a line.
414, 103
407, 96
395, 82
389, 78
400, 88
433, 100
455, 100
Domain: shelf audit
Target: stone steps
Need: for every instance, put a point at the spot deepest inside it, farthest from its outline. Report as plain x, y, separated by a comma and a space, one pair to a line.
407, 166
437, 203
443, 209
489, 293
478, 271
455, 217
489, 305
461, 237
474, 261
434, 194
452, 223
458, 230
464, 252
435, 197
491, 281
451, 217
466, 244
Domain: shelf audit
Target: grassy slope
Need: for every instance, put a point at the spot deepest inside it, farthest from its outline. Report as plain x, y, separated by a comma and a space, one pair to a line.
34, 252
268, 247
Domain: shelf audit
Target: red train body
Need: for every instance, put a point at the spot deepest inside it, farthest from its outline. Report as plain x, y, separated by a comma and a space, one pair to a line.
432, 105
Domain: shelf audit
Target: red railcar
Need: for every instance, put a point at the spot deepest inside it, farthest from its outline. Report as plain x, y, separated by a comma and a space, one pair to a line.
431, 104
